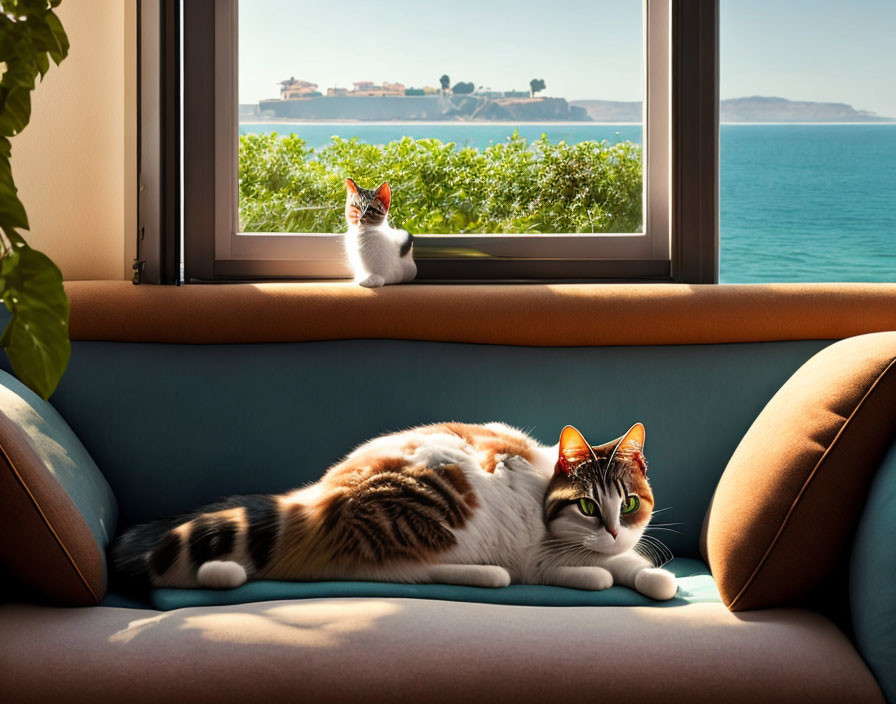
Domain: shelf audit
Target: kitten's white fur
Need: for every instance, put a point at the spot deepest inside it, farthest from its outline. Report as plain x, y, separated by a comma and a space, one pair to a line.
374, 254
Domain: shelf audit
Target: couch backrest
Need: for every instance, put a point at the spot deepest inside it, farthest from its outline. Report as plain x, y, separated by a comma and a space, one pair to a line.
175, 426
186, 394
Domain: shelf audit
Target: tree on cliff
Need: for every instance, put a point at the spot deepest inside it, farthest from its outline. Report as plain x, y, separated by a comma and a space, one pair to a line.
445, 81
463, 88
536, 84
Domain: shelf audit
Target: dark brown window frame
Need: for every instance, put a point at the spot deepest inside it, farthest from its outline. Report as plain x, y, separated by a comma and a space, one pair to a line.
158, 143
694, 153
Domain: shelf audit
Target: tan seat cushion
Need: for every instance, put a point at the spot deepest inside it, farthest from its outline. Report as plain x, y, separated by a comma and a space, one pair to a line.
407, 650
789, 500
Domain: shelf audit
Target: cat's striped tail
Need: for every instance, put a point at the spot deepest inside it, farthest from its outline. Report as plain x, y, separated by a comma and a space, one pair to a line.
134, 551
216, 546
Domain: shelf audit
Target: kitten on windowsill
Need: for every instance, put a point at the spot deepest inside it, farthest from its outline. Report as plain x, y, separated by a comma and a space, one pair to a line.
378, 254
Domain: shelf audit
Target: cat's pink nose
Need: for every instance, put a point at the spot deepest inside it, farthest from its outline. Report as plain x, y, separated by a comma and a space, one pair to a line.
612, 531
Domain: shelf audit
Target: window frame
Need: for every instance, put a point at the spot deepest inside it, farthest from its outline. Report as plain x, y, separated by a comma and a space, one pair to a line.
158, 258
680, 143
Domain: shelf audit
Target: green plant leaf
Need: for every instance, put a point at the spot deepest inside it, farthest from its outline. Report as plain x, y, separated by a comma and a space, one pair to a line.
55, 26
16, 111
12, 212
36, 338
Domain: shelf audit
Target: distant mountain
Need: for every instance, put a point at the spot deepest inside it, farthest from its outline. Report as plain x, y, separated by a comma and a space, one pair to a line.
761, 109
610, 110
753, 109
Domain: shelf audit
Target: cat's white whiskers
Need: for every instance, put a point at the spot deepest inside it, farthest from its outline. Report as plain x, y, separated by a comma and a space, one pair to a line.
668, 530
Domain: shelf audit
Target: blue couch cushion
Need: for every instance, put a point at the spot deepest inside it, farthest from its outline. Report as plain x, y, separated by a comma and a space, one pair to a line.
695, 585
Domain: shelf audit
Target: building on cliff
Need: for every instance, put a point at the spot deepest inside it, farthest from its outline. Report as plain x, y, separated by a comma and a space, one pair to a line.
293, 89
371, 89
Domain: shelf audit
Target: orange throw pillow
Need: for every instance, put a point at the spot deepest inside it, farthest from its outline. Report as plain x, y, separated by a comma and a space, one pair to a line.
791, 496
56, 510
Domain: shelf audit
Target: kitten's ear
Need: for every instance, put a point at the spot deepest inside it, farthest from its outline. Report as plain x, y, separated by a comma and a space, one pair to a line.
574, 450
384, 194
631, 448
351, 186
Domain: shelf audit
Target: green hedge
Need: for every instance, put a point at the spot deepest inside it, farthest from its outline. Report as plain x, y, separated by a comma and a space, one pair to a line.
440, 188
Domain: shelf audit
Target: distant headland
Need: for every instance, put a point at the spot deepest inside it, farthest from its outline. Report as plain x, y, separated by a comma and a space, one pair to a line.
384, 102
756, 108
368, 101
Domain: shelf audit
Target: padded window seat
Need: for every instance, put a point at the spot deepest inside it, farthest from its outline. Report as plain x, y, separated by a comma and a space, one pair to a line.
695, 586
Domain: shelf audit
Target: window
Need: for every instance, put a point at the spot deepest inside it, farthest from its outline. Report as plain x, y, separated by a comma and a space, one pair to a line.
808, 141
230, 232
471, 140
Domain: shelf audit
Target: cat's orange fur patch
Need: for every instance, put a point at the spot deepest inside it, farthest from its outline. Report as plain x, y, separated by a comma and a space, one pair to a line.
376, 507
490, 445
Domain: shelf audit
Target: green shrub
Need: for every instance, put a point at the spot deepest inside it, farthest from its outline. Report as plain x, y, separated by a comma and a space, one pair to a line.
440, 188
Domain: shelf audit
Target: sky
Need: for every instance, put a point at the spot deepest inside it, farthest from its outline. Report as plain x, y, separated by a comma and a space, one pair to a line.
799, 49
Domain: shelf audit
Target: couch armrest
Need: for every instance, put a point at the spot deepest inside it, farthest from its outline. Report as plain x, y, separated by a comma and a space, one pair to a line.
872, 578
790, 498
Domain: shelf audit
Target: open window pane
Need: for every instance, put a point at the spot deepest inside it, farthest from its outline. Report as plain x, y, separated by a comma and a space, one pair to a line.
808, 141
500, 117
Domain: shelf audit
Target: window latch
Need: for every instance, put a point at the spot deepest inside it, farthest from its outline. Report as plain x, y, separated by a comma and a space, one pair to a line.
138, 266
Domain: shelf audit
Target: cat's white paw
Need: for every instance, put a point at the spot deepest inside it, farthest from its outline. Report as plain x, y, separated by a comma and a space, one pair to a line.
221, 574
594, 579
490, 576
656, 583
493, 577
372, 281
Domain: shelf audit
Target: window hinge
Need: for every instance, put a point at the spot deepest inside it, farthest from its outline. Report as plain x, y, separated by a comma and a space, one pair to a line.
138, 266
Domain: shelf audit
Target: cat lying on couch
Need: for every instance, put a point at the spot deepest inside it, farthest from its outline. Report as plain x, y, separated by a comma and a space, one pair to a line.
454, 503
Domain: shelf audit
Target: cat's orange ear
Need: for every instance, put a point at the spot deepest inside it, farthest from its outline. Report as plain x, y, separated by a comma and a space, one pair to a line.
384, 194
351, 186
574, 450
631, 448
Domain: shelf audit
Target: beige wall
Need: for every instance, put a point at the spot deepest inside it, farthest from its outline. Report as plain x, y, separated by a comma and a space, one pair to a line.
75, 163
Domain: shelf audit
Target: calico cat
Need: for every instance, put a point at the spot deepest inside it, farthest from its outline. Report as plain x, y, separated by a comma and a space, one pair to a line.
478, 505
377, 253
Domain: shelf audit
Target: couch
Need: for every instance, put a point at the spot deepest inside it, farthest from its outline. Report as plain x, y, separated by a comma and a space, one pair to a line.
771, 435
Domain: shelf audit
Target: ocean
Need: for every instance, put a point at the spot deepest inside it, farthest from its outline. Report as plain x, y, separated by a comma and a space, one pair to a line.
799, 202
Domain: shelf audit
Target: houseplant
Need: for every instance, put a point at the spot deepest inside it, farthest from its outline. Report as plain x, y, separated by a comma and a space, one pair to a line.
36, 336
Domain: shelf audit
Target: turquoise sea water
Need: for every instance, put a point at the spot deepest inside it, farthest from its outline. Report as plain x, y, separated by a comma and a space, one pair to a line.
798, 202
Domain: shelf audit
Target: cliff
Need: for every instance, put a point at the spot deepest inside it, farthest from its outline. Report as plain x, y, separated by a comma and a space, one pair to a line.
425, 108
610, 110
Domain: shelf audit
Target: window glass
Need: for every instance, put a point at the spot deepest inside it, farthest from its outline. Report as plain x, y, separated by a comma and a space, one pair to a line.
485, 117
808, 141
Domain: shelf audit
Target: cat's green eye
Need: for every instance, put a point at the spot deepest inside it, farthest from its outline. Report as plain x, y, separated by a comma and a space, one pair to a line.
630, 503
587, 507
